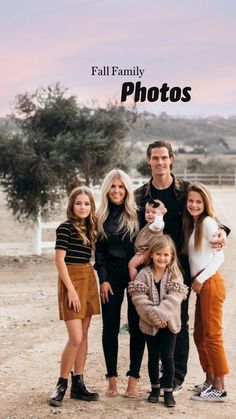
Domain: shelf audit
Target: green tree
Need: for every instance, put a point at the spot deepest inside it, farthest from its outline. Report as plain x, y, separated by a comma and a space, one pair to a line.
97, 144
144, 168
57, 142
30, 182
195, 166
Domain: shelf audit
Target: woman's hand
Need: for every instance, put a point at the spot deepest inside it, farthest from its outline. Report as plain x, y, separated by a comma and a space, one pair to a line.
219, 241
162, 325
105, 288
196, 286
73, 300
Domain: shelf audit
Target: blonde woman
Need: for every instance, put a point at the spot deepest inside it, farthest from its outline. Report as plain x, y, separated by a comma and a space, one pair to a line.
117, 228
77, 291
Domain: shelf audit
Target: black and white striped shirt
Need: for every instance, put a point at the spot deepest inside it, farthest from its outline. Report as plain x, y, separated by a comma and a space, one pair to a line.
68, 239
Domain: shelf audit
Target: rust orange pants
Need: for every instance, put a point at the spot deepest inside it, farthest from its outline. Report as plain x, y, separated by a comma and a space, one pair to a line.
208, 326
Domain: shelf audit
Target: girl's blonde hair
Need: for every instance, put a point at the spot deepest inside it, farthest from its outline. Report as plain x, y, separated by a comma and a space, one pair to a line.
88, 229
128, 223
160, 243
188, 222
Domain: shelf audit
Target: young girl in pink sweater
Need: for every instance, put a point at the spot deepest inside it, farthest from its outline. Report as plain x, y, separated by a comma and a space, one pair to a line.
157, 293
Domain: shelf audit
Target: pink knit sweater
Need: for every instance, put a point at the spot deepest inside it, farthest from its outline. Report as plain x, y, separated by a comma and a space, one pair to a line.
153, 310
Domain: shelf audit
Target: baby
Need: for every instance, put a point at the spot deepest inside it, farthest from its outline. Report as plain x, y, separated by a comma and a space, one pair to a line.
154, 212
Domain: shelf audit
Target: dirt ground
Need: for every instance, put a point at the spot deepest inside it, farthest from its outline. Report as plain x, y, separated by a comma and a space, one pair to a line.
32, 339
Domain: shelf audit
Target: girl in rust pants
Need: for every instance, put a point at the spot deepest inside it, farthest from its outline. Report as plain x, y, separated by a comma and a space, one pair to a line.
199, 227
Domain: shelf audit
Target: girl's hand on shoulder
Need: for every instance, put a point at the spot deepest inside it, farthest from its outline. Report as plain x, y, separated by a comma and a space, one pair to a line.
196, 286
74, 301
105, 288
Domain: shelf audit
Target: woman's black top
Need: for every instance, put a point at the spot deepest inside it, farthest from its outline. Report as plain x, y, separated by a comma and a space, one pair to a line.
116, 246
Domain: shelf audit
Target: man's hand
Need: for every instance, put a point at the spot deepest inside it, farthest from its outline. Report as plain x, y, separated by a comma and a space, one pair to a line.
105, 288
219, 241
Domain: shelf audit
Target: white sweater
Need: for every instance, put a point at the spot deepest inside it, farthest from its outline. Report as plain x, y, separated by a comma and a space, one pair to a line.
205, 258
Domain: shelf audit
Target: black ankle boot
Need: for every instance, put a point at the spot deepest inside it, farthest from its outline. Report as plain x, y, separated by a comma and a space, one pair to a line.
169, 400
79, 391
154, 395
58, 395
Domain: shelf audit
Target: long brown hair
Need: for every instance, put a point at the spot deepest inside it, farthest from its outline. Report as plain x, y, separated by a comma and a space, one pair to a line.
88, 229
188, 222
161, 243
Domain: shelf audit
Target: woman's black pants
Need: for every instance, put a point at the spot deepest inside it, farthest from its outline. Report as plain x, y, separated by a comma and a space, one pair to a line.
118, 277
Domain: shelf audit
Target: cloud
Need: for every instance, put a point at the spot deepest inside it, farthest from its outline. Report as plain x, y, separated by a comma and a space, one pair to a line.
185, 43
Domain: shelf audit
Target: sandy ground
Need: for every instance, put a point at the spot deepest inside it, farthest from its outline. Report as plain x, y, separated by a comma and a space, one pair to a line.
32, 339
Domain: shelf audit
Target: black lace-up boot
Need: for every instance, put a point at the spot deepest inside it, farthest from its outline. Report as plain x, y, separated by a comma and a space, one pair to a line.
59, 393
79, 391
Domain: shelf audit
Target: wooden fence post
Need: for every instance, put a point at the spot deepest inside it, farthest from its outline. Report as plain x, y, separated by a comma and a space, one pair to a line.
37, 237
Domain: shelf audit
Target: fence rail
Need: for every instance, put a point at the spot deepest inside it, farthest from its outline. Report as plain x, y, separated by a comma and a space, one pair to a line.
37, 244
219, 179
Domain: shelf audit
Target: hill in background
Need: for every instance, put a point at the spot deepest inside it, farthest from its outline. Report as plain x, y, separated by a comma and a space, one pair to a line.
216, 133
202, 144
207, 144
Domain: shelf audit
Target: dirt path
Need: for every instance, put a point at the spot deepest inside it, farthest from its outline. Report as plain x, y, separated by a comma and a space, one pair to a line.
32, 339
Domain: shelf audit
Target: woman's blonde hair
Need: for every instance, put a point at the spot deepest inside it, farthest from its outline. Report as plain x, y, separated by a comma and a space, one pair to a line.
161, 242
88, 229
128, 223
188, 222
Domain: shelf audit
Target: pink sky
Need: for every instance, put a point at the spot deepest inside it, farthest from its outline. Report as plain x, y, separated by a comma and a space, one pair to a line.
184, 43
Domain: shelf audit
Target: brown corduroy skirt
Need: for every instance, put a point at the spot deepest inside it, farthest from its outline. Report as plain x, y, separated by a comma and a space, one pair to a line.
84, 280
